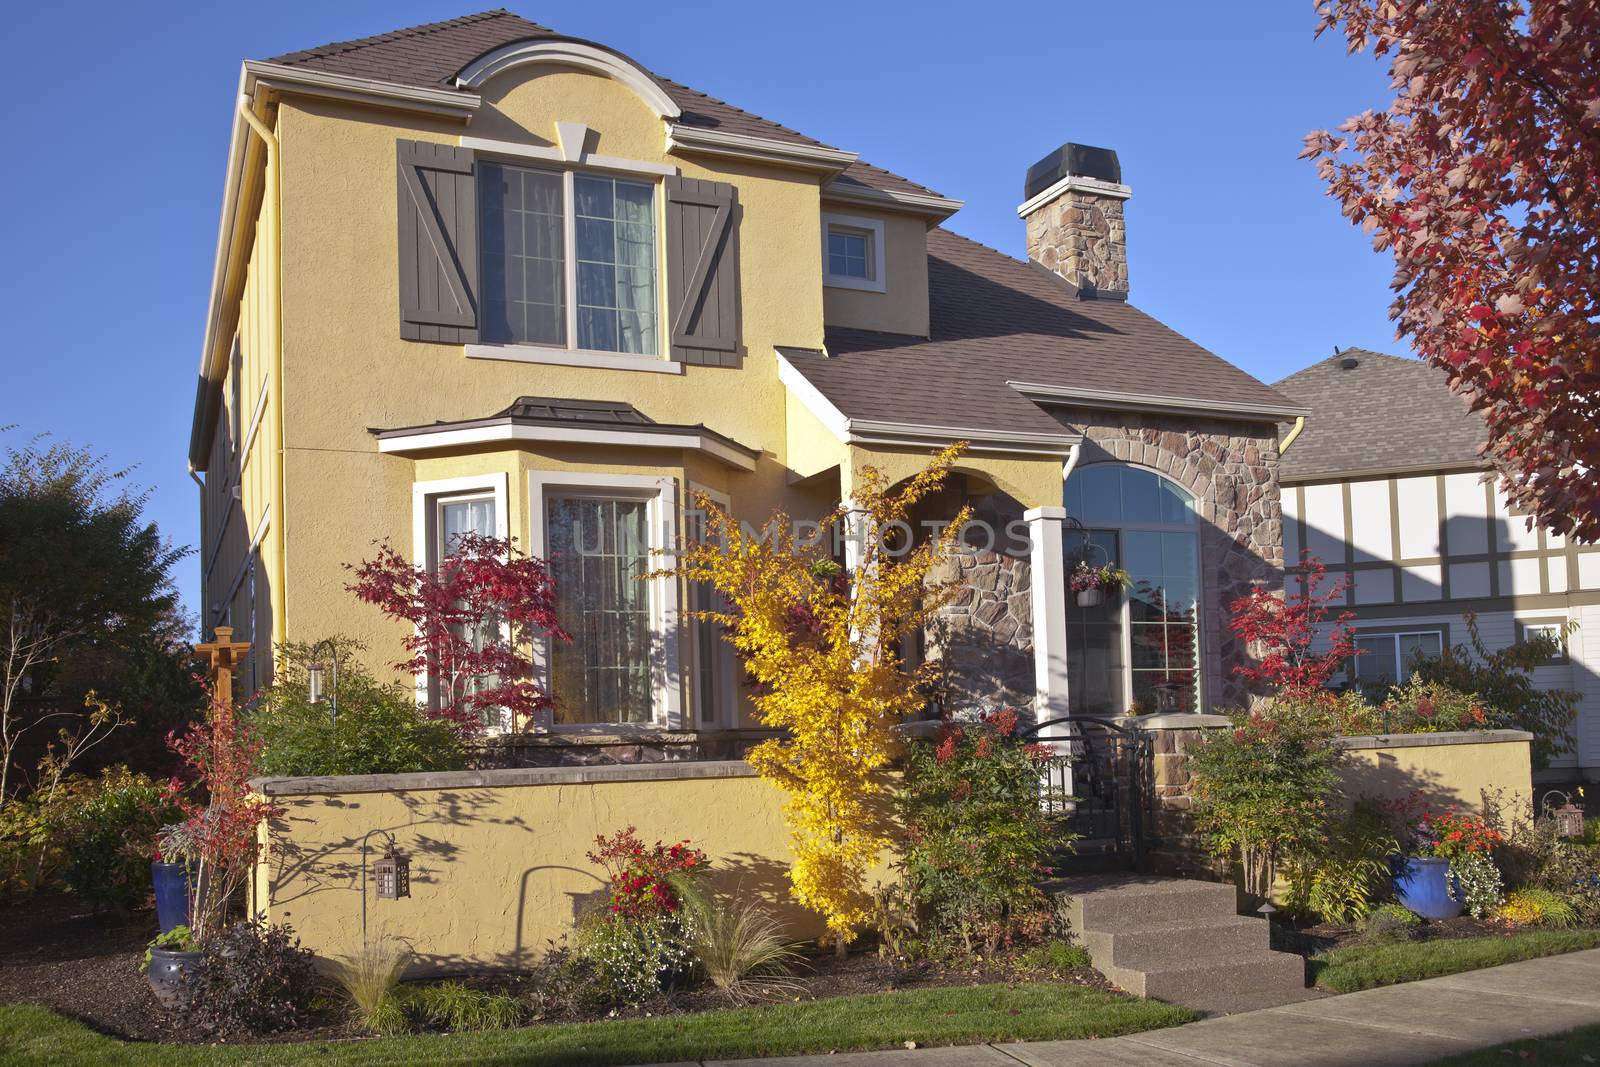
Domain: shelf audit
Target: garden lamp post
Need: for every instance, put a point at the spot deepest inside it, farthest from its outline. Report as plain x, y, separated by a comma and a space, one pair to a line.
314, 679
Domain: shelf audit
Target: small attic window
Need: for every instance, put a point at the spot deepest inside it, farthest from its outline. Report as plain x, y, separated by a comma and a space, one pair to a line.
852, 253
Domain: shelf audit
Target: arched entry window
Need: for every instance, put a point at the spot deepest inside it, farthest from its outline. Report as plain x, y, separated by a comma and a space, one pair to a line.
1141, 649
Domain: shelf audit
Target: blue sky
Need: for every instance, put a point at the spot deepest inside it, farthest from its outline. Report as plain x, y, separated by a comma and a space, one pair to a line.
117, 122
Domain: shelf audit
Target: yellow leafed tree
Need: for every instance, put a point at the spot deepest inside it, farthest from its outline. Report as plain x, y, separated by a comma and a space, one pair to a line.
823, 649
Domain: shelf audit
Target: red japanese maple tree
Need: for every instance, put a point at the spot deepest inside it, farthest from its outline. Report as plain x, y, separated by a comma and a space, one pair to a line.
1483, 178
1287, 628
473, 620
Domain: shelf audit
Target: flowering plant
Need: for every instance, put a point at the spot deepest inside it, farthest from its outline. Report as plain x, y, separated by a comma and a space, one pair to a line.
1454, 834
642, 879
1426, 707
1107, 579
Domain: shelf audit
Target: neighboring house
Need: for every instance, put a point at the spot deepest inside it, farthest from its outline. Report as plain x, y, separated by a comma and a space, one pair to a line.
477, 275
1385, 485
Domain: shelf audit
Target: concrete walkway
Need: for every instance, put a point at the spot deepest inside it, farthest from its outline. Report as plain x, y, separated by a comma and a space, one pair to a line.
1415, 1023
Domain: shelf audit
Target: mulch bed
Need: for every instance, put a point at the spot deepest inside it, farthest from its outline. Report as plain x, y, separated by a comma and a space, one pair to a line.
56, 953
1310, 940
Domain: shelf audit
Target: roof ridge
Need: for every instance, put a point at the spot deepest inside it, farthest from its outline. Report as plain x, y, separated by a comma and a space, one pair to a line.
334, 48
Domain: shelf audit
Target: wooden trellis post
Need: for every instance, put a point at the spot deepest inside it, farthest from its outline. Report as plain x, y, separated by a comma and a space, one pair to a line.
223, 654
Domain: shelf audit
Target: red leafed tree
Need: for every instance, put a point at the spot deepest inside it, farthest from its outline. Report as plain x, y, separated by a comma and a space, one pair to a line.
1483, 178
473, 620
219, 836
1286, 628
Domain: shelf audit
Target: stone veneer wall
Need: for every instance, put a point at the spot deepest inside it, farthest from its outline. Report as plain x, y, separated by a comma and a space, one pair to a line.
1082, 237
985, 634
1232, 469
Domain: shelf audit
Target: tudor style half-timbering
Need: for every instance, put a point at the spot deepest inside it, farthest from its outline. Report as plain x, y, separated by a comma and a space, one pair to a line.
1386, 486
480, 275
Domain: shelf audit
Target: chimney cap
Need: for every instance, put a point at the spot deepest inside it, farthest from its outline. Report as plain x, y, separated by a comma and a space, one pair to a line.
1074, 160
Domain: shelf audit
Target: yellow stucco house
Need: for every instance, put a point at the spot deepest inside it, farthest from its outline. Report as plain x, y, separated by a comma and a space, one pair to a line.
481, 275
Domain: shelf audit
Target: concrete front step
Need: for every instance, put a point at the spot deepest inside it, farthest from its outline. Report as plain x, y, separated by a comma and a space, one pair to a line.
1181, 941
1148, 943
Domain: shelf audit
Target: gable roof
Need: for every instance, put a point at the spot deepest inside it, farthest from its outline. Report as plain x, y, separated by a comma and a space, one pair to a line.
430, 56
996, 320
1386, 413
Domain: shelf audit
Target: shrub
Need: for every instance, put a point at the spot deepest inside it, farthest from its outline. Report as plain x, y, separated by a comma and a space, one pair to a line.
1421, 707
455, 1008
109, 838
1537, 907
638, 939
1390, 922
1055, 956
740, 946
254, 979
563, 985
1536, 856
1503, 681
975, 837
369, 977
1338, 878
1263, 792
1481, 890
379, 729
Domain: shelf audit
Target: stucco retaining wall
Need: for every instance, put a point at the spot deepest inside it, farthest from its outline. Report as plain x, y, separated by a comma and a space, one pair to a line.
498, 861
1467, 768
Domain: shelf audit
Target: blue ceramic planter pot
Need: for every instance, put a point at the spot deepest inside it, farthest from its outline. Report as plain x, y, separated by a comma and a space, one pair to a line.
1424, 884
171, 882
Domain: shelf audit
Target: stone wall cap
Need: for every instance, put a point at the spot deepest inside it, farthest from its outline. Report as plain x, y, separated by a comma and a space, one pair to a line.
501, 777
1181, 720
1454, 737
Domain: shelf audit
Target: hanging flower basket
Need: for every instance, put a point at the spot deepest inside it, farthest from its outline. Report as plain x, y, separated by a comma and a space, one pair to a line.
1092, 585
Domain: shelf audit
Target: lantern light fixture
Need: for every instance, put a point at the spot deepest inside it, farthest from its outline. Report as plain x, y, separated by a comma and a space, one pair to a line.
391, 875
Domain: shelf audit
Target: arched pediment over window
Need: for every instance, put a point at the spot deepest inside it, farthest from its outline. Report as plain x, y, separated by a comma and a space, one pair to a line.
570, 53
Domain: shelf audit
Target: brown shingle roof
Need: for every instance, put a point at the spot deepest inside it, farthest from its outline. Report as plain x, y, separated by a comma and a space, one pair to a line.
431, 55
1386, 413
996, 319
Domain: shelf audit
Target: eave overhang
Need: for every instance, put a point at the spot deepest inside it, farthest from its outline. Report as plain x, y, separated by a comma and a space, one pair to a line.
1116, 400
510, 431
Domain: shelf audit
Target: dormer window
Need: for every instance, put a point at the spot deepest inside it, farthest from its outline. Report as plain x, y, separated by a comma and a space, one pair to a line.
852, 253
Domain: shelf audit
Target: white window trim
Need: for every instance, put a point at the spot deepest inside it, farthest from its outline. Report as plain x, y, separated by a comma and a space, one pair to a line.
878, 283
725, 685
1394, 637
423, 496
570, 355
666, 672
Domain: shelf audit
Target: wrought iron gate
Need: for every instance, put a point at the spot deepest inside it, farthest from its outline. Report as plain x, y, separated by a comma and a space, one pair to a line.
1099, 783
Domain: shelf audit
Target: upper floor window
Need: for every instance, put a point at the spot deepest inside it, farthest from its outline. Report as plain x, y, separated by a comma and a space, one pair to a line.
567, 260
852, 253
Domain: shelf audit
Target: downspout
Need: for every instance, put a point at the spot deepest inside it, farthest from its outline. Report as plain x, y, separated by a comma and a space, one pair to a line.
272, 277
1299, 424
205, 614
1072, 460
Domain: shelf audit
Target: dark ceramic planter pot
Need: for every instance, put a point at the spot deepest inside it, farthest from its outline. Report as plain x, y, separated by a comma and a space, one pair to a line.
171, 881
1424, 884
172, 976
1091, 598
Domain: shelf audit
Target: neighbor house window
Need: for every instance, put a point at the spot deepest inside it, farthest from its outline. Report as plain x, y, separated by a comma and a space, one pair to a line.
852, 252
568, 260
599, 548
1140, 649
1386, 659
1557, 631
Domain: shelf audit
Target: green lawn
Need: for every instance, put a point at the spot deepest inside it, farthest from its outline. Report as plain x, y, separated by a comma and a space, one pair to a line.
1346, 970
1579, 1048
953, 1016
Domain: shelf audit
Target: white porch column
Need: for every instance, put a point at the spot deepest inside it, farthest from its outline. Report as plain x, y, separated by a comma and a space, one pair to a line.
1049, 585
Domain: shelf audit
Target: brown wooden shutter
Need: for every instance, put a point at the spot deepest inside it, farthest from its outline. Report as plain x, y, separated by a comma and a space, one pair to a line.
703, 271
438, 212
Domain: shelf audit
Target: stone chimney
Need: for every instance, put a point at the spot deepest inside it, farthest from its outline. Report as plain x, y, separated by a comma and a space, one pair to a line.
1073, 211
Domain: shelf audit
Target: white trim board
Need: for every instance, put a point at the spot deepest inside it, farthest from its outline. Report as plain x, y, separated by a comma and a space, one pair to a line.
426, 438
760, 149
589, 57
1073, 183
666, 669
575, 357
1112, 398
